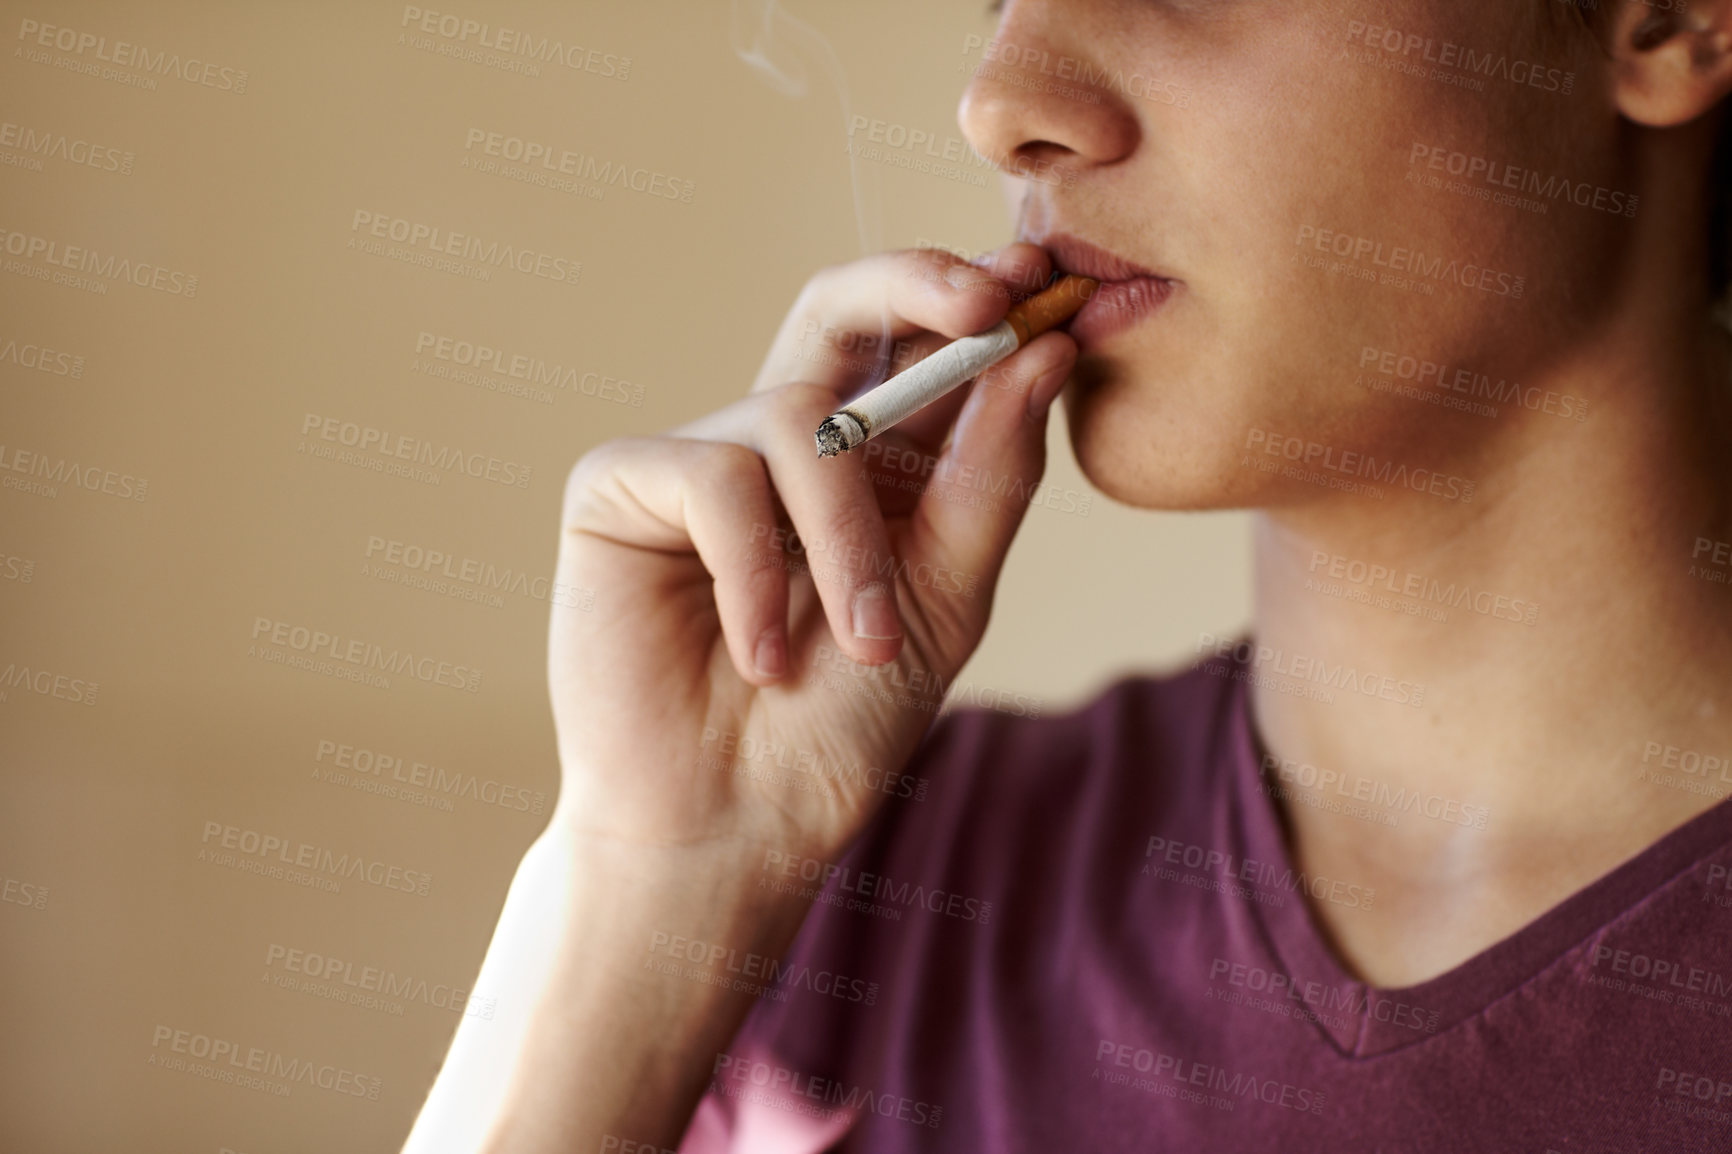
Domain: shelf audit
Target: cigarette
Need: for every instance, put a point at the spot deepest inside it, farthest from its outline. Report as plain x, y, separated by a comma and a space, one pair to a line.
914, 388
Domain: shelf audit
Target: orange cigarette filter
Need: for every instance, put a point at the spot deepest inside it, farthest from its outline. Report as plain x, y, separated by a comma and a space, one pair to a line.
1050, 308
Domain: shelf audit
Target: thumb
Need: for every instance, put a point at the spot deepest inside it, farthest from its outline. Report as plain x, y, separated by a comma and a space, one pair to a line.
977, 494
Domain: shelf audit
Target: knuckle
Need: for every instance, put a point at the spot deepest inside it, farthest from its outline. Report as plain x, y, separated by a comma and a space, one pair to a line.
731, 468
855, 534
821, 286
1023, 264
827, 291
953, 624
592, 473
599, 462
931, 263
763, 581
798, 403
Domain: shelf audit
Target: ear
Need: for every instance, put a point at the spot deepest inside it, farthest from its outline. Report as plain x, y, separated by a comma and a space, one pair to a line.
1672, 59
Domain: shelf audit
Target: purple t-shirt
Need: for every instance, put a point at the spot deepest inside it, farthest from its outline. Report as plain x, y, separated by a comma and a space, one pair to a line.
1089, 935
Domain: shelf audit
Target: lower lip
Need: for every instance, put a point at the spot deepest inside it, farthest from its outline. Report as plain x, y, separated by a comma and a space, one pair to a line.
1116, 306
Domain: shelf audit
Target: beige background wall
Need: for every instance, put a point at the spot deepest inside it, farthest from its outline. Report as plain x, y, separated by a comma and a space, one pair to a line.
164, 727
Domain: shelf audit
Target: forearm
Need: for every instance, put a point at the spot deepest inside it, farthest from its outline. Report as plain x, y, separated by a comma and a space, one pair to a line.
586, 1040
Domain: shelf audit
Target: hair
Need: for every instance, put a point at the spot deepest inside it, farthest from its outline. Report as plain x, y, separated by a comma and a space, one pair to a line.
1593, 17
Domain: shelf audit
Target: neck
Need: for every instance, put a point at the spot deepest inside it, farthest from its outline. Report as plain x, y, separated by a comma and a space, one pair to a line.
1561, 642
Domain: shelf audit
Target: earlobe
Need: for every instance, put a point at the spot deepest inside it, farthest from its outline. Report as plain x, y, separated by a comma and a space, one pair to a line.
1671, 64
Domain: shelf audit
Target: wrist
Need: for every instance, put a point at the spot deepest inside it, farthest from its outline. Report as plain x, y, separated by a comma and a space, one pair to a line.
652, 901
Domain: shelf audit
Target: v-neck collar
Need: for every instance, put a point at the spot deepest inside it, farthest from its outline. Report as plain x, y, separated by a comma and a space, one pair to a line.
1364, 1021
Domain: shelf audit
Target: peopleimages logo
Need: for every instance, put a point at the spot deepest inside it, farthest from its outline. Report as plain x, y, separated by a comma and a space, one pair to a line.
22, 893
257, 849
108, 267
1267, 876
39, 144
229, 1059
582, 166
732, 752
759, 974
1668, 972
793, 1090
514, 45
1499, 175
1472, 383
876, 887
1285, 771
412, 455
910, 688
1467, 66
47, 473
1419, 587
338, 979
1703, 1087
1401, 260
481, 578
1687, 761
467, 246
362, 655
1266, 659
410, 778
137, 56
1235, 1084
47, 683
1071, 70
41, 358
533, 372
1351, 466
1323, 999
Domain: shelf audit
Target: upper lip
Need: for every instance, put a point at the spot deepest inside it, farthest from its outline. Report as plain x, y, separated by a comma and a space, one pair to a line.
1079, 257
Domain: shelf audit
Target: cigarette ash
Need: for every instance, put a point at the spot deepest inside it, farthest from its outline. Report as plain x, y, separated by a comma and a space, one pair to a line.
838, 434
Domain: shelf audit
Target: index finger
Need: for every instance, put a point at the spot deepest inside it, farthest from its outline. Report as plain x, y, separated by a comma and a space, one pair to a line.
888, 296
1026, 268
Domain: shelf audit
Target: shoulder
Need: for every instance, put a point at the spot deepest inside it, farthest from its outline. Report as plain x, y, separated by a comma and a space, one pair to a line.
1015, 823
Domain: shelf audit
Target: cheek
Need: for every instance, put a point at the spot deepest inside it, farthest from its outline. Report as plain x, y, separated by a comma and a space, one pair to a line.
1167, 426
1306, 234
1332, 245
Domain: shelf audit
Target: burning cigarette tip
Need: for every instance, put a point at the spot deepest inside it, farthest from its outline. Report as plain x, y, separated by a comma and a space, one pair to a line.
839, 433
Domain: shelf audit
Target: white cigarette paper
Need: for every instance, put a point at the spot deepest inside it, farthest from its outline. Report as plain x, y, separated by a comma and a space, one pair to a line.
919, 385
916, 387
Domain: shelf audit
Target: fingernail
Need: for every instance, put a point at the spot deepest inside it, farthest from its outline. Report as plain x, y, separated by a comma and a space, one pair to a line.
1048, 387
875, 615
771, 656
968, 279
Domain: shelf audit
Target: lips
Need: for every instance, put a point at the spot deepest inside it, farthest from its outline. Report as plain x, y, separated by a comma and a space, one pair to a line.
1128, 293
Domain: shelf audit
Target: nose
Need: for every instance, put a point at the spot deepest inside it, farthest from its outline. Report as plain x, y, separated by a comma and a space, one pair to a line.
1041, 96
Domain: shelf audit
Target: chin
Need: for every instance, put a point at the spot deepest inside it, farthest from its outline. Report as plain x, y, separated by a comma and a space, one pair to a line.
1138, 457
1106, 445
